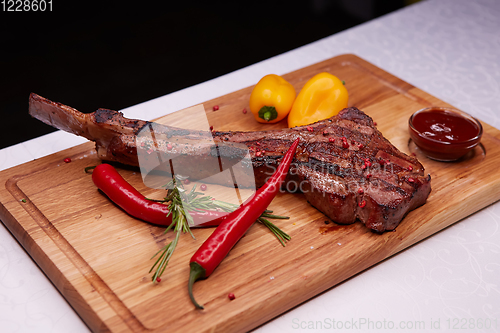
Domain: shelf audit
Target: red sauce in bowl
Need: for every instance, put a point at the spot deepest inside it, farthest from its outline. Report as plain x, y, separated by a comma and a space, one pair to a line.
444, 134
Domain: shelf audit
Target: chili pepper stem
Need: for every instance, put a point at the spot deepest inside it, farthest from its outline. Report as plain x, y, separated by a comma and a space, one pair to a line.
156, 200
196, 273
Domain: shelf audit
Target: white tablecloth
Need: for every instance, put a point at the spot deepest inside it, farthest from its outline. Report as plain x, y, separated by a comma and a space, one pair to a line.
449, 48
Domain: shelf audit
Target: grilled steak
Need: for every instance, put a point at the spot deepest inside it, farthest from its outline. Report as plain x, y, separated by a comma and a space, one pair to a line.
343, 165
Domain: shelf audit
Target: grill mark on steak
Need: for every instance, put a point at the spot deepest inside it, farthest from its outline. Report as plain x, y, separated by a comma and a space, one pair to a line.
334, 178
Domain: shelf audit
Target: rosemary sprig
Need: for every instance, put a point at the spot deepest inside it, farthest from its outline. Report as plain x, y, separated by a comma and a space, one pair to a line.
181, 203
280, 234
180, 222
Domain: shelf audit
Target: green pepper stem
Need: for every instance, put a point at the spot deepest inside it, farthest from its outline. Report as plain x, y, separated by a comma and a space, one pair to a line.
195, 273
268, 113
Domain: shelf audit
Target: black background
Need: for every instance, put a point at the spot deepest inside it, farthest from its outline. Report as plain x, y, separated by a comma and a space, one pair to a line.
117, 54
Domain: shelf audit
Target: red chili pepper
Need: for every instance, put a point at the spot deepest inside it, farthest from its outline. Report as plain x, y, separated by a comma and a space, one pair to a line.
118, 190
234, 225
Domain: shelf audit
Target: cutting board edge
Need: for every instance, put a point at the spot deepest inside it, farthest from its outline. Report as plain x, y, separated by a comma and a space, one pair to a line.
52, 272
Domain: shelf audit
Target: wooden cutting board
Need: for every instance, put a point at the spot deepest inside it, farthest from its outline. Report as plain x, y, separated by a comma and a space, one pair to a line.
98, 257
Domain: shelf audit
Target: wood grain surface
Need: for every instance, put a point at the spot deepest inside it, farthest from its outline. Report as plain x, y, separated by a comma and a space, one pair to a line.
99, 257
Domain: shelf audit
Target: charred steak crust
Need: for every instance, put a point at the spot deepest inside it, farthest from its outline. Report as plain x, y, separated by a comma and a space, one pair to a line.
345, 168
343, 165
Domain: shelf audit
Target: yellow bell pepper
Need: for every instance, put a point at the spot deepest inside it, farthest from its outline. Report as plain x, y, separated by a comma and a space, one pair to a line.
271, 99
323, 96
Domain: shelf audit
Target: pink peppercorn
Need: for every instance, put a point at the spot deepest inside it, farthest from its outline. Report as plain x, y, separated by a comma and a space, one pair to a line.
67, 160
410, 168
169, 147
331, 139
362, 204
187, 181
360, 145
345, 144
231, 296
309, 128
244, 111
215, 108
258, 153
203, 187
158, 279
361, 191
411, 180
